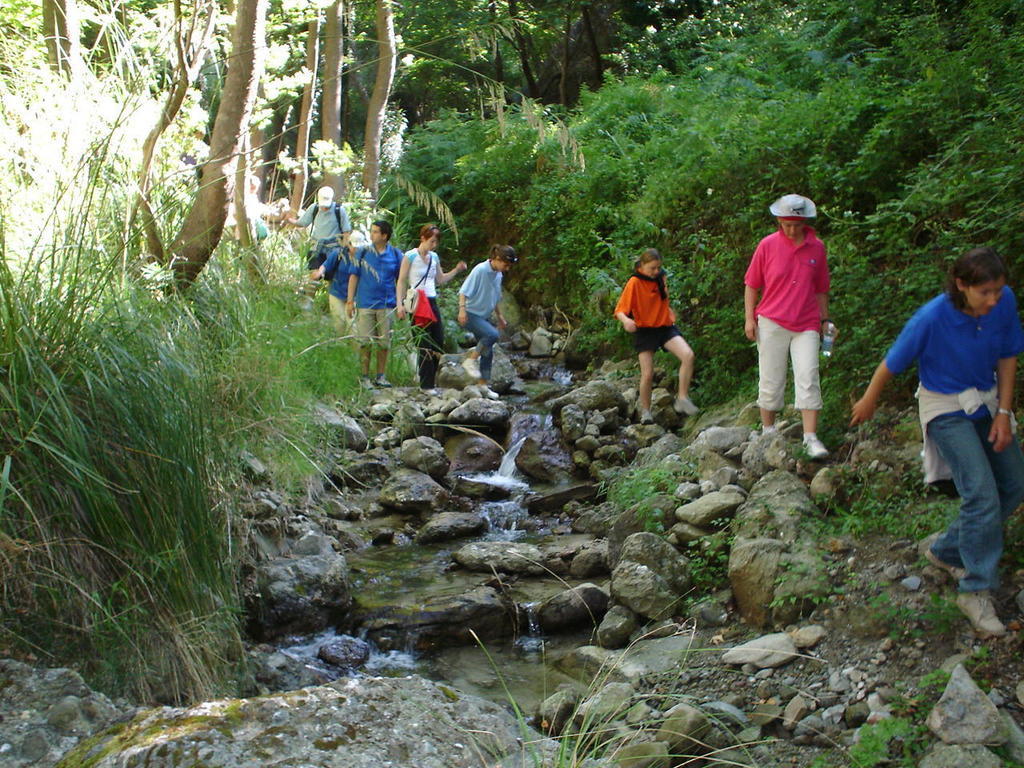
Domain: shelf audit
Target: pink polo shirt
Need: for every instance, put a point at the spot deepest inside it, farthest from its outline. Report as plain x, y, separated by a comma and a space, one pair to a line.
789, 279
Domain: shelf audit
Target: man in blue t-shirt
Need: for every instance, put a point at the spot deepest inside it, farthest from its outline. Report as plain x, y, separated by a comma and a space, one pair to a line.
372, 298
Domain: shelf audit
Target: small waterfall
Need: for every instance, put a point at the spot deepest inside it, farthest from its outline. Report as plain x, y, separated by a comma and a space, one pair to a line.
531, 642
503, 520
508, 462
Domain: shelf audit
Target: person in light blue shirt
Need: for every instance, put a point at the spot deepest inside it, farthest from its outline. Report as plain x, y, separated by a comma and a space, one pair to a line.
478, 300
966, 342
329, 228
372, 298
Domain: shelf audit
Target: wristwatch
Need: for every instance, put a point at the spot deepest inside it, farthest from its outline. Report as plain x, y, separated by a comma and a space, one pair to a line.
1007, 411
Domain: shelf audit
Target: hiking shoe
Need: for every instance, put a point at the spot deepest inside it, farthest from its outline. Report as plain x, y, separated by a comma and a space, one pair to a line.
977, 606
380, 381
488, 392
646, 417
814, 447
685, 405
952, 570
472, 367
365, 383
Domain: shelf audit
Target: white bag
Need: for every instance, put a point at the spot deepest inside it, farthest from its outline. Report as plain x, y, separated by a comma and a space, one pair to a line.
412, 298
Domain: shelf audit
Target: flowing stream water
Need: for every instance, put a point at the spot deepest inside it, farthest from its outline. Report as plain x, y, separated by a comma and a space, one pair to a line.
516, 668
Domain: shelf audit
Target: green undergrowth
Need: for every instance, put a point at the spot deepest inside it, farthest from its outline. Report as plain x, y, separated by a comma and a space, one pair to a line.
888, 117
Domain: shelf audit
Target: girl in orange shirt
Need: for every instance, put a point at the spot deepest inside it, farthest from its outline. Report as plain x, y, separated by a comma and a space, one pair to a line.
643, 311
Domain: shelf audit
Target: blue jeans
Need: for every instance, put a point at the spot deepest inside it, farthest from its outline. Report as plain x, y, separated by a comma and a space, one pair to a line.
486, 336
990, 484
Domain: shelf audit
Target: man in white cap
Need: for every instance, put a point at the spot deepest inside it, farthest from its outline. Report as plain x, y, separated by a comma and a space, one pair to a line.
789, 274
330, 229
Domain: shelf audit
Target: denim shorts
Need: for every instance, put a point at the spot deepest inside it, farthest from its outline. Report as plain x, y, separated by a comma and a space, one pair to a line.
653, 339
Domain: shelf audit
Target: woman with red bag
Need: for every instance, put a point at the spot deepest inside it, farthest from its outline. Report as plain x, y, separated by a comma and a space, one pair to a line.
421, 270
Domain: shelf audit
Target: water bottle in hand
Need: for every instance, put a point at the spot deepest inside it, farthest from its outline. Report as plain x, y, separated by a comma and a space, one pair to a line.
828, 336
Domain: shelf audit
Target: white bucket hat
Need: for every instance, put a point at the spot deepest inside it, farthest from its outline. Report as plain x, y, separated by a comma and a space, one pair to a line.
325, 196
794, 205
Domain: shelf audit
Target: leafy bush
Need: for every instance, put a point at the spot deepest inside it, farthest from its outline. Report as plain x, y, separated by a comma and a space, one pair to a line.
891, 119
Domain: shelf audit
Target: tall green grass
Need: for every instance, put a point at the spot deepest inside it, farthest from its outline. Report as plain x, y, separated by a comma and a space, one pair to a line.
122, 413
115, 553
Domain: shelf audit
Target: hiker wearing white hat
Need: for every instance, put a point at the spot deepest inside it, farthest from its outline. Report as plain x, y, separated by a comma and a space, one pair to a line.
785, 300
330, 229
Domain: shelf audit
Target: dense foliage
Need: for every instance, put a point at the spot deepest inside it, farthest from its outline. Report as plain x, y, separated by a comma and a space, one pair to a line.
903, 121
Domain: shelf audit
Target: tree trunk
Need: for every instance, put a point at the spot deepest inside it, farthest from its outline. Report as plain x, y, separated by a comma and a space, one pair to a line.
204, 223
499, 63
330, 117
240, 202
61, 33
306, 116
192, 43
595, 50
386, 61
563, 96
522, 46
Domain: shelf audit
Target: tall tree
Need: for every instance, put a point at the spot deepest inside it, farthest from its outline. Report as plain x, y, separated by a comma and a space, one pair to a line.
204, 223
522, 45
387, 55
193, 33
306, 115
330, 116
61, 33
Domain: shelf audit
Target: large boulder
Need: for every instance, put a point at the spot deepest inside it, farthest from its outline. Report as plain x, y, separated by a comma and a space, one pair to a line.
543, 457
767, 452
481, 412
643, 516
965, 715
425, 455
410, 491
775, 569
410, 420
347, 429
723, 439
451, 374
541, 343
450, 525
575, 608
596, 395
710, 508
46, 712
501, 556
297, 595
473, 453
364, 722
439, 621
651, 576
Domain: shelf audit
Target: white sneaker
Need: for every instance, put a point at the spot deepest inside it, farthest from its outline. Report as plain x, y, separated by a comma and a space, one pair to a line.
814, 447
488, 392
646, 417
977, 606
472, 367
685, 405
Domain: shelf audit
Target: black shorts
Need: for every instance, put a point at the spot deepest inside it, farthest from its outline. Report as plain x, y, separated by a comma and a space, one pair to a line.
653, 339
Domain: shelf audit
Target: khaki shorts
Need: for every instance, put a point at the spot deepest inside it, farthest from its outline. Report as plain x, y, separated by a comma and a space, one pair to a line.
373, 327
342, 322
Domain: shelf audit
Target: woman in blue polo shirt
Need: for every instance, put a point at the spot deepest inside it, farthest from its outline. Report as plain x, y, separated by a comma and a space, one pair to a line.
966, 343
